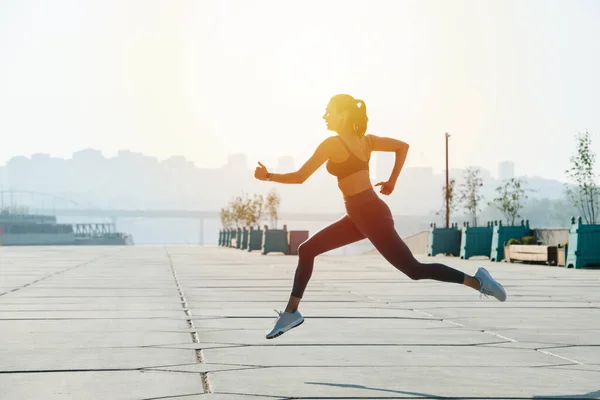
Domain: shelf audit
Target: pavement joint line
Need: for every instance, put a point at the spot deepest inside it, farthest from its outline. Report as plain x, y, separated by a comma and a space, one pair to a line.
218, 371
36, 371
512, 340
561, 357
195, 338
175, 396
57, 273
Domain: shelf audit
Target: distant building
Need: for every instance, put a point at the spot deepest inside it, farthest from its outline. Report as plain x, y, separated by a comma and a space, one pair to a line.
237, 162
506, 170
285, 164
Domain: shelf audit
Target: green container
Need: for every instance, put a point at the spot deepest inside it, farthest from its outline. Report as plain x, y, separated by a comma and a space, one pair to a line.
227, 238
238, 238
584, 245
255, 239
244, 239
476, 241
275, 241
503, 234
223, 237
220, 237
444, 240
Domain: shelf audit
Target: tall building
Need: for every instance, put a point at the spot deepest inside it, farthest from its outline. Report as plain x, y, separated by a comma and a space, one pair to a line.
237, 162
506, 170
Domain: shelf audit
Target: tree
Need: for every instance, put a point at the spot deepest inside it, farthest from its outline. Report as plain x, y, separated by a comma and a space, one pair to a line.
226, 218
469, 196
585, 194
254, 209
243, 211
237, 210
451, 200
510, 199
272, 206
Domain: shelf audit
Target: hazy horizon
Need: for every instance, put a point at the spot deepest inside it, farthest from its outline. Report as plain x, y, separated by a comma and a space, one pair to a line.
509, 80
388, 163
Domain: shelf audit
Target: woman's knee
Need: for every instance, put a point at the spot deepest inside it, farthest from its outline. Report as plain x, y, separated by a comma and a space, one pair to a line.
305, 250
413, 269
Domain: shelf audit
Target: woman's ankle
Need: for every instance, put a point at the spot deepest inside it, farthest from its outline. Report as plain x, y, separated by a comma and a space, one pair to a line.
292, 304
471, 282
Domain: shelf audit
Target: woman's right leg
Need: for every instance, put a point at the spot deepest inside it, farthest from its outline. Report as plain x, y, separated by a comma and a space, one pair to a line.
338, 234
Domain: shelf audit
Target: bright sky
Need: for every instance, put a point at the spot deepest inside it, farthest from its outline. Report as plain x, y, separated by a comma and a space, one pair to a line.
509, 79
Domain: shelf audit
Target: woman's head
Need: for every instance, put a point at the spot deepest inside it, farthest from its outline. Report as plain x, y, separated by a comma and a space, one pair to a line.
345, 114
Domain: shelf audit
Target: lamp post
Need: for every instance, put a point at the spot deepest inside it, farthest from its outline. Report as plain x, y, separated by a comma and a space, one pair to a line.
447, 186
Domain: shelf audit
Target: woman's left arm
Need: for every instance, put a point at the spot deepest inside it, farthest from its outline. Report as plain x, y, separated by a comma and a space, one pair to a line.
390, 145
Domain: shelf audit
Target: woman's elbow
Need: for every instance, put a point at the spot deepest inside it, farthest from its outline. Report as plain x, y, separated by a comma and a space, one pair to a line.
403, 148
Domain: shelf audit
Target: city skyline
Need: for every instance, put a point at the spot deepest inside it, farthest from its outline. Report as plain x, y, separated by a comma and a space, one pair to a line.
285, 163
511, 79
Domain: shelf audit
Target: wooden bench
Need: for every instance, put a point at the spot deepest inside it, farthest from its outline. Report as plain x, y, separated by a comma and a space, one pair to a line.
534, 253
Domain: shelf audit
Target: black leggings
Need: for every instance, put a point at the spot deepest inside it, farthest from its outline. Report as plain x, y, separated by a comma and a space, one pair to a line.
367, 217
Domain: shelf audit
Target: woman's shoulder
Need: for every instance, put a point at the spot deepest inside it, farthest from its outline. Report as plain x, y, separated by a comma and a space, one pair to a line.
370, 139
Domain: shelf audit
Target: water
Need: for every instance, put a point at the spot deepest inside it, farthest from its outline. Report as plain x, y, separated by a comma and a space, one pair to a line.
185, 231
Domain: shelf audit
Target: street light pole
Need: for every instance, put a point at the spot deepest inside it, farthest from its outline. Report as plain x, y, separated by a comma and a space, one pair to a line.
447, 186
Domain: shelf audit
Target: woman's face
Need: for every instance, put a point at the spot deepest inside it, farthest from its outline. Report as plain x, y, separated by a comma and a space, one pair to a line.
334, 119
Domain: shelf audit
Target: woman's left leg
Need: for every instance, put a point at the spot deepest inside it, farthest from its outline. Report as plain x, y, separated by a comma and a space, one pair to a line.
375, 221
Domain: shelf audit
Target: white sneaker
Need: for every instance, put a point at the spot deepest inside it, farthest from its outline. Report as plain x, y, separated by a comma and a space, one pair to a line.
488, 286
285, 322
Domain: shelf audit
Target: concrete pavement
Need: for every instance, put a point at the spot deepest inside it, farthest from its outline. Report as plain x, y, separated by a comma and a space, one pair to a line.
190, 323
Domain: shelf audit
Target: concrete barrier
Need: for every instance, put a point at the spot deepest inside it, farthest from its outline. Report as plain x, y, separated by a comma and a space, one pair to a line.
417, 243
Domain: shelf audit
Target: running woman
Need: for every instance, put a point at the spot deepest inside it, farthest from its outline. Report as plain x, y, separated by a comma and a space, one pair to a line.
347, 155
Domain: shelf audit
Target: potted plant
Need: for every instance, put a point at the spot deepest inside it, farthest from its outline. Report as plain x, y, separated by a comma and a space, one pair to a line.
507, 248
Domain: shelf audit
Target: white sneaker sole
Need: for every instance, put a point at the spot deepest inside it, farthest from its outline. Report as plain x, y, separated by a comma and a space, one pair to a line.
286, 328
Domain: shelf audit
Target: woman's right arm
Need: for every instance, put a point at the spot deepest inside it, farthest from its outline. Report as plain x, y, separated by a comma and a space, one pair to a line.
321, 154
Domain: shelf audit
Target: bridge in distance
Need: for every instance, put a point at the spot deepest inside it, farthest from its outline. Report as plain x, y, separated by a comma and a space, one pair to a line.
199, 215
187, 214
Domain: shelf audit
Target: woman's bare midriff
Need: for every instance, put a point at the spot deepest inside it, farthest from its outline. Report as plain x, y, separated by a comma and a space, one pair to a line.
355, 183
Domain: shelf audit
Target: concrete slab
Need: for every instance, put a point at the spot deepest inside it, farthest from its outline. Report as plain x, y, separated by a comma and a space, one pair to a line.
114, 321
100, 385
59, 326
318, 324
38, 359
308, 311
380, 356
89, 339
85, 314
336, 337
106, 305
405, 382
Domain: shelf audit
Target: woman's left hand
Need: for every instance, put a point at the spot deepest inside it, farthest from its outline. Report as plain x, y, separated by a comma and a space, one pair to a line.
386, 187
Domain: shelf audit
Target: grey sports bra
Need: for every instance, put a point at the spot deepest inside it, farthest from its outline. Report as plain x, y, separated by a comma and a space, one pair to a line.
347, 167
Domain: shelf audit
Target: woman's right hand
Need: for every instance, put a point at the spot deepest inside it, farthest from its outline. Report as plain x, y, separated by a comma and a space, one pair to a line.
261, 172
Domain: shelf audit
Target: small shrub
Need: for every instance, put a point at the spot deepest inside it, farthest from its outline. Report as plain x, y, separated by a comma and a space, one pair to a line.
529, 240
513, 241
